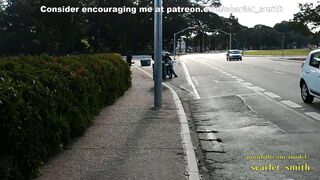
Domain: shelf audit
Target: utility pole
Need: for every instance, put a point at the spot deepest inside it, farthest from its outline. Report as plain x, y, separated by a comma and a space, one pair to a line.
174, 46
283, 45
158, 53
175, 39
230, 41
230, 35
282, 42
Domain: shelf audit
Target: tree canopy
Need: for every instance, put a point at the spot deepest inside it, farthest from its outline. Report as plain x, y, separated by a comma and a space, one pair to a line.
24, 29
309, 15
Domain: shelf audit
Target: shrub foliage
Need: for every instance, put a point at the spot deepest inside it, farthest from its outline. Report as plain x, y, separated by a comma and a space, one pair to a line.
47, 101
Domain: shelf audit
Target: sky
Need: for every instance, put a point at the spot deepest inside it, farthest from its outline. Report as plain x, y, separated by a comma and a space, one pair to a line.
255, 11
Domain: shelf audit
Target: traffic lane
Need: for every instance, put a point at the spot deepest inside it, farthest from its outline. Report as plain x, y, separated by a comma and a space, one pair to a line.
211, 83
243, 131
286, 77
208, 81
278, 67
273, 80
200, 68
290, 67
265, 78
289, 120
285, 85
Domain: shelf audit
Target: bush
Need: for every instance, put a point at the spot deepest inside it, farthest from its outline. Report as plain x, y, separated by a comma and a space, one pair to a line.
47, 101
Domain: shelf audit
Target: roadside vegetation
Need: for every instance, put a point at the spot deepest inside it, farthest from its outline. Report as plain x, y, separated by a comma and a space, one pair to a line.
279, 52
46, 101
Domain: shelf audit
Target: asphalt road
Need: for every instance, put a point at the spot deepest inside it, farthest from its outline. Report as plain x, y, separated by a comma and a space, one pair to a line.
273, 76
249, 108
243, 109
280, 77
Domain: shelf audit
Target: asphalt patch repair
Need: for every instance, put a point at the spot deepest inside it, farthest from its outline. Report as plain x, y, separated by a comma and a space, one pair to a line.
229, 130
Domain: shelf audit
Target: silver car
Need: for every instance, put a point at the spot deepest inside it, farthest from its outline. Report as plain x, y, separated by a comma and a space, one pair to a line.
234, 54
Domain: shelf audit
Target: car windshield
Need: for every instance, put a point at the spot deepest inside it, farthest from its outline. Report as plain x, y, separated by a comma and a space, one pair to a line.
234, 52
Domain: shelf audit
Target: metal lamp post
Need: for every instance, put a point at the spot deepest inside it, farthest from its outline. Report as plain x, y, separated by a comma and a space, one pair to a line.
158, 53
282, 45
230, 40
282, 42
174, 39
230, 37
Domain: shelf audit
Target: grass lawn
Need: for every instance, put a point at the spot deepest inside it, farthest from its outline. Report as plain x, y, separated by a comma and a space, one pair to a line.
287, 52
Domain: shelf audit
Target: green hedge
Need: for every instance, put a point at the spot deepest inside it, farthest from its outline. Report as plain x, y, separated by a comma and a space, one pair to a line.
47, 101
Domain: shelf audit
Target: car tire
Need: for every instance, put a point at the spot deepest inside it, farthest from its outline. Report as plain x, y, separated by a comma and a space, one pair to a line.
305, 95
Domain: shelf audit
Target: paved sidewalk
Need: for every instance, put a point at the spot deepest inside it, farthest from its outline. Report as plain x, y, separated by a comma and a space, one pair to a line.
128, 140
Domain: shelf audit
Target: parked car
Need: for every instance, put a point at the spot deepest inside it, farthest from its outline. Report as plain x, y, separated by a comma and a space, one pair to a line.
234, 54
310, 77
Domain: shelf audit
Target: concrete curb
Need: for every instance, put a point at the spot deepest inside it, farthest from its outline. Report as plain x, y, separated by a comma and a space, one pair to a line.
192, 167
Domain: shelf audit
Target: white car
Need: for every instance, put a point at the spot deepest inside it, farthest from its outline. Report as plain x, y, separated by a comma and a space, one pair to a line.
310, 77
234, 54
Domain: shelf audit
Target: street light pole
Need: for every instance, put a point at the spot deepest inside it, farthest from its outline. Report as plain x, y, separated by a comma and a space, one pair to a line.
230, 41
282, 45
175, 37
230, 36
282, 42
174, 45
158, 53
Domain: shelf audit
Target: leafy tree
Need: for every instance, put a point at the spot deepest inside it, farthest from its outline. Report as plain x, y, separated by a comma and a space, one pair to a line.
297, 34
309, 15
25, 30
